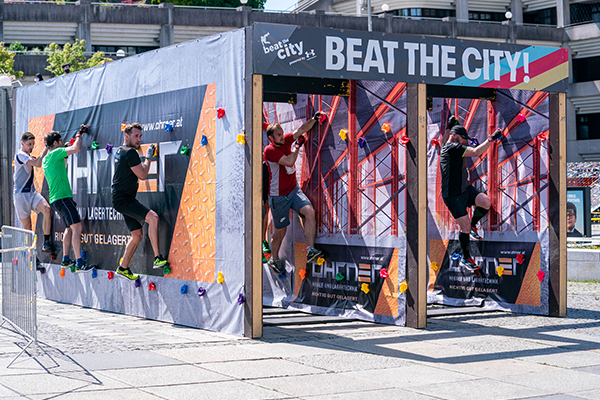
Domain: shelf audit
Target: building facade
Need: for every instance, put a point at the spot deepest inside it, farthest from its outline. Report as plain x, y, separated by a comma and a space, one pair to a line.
135, 28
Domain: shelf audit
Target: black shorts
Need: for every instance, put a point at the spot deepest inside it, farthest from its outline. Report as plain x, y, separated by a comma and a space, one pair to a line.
133, 212
67, 209
458, 205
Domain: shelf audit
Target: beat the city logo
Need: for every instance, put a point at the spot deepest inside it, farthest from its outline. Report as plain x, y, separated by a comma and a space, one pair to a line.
284, 49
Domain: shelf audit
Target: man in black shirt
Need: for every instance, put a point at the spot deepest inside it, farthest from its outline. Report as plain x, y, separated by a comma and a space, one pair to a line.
128, 169
457, 193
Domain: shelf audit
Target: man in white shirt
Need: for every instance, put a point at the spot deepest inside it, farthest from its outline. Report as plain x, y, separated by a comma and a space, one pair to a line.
26, 198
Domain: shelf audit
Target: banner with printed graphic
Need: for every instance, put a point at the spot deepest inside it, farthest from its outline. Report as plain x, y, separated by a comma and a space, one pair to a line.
290, 50
512, 258
352, 168
193, 112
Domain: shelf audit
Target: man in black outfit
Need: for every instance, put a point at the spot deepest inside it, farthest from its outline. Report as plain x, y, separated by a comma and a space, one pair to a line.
457, 193
128, 169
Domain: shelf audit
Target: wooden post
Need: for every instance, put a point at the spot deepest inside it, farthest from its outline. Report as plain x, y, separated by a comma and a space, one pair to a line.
416, 206
557, 207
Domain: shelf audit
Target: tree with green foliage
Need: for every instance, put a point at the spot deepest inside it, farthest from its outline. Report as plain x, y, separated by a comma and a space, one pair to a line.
73, 54
17, 47
7, 62
214, 3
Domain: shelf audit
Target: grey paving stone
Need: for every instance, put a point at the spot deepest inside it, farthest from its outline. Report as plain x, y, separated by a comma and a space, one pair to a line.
556, 397
349, 361
409, 376
6, 392
588, 394
213, 353
478, 389
321, 384
266, 368
493, 368
120, 394
289, 350
594, 369
163, 375
373, 395
59, 383
212, 391
557, 380
129, 359
567, 359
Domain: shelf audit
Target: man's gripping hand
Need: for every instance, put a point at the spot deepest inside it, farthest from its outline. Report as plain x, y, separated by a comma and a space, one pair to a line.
300, 141
150, 152
451, 122
82, 129
319, 116
497, 135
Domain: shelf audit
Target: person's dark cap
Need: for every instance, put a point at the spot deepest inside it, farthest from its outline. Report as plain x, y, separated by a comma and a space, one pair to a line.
460, 131
66, 65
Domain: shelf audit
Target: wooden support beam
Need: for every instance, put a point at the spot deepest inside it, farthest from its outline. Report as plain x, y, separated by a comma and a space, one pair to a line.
557, 207
416, 206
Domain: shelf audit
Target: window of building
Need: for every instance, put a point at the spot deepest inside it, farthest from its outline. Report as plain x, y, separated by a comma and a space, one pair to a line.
127, 49
586, 124
541, 17
586, 69
485, 16
425, 12
584, 12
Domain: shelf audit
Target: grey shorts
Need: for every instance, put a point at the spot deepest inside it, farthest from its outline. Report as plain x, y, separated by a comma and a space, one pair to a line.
25, 203
281, 205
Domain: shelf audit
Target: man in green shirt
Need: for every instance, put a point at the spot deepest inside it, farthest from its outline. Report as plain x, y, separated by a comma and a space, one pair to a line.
61, 196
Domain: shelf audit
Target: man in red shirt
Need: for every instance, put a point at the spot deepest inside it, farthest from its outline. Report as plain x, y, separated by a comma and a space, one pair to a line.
284, 193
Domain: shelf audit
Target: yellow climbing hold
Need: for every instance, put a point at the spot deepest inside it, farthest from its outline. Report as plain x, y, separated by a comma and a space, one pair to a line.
343, 134
365, 288
500, 270
241, 138
220, 278
434, 266
403, 286
320, 261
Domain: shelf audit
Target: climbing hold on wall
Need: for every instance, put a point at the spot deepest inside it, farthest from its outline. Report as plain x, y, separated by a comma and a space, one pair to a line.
151, 286
72, 267
183, 289
543, 136
302, 274
204, 140
541, 275
168, 127
455, 257
365, 288
220, 278
500, 270
383, 273
386, 128
474, 142
361, 142
71, 141
241, 138
520, 258
403, 286
435, 266
138, 283
521, 117
404, 139
15, 262
281, 276
201, 291
108, 148
123, 127
184, 151
241, 299
265, 126
95, 145
94, 273
322, 118
320, 261
435, 142
61, 273
166, 269
339, 277
343, 134
110, 275
220, 112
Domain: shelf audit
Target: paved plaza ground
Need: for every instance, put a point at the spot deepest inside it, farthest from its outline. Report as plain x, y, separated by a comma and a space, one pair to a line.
99, 355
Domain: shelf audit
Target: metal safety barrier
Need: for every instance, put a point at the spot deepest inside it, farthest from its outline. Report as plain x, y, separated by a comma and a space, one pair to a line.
18, 282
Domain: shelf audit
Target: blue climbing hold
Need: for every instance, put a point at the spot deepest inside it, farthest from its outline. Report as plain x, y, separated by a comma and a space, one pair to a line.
455, 257
281, 276
184, 289
94, 273
168, 127
204, 140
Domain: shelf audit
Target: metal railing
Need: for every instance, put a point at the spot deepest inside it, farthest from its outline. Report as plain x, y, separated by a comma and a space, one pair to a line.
18, 282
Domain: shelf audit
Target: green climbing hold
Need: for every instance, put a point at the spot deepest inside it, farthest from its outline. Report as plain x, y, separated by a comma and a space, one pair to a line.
72, 266
339, 277
166, 269
95, 145
184, 150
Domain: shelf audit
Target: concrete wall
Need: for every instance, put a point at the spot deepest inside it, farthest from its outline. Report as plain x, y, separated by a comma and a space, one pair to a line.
583, 265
